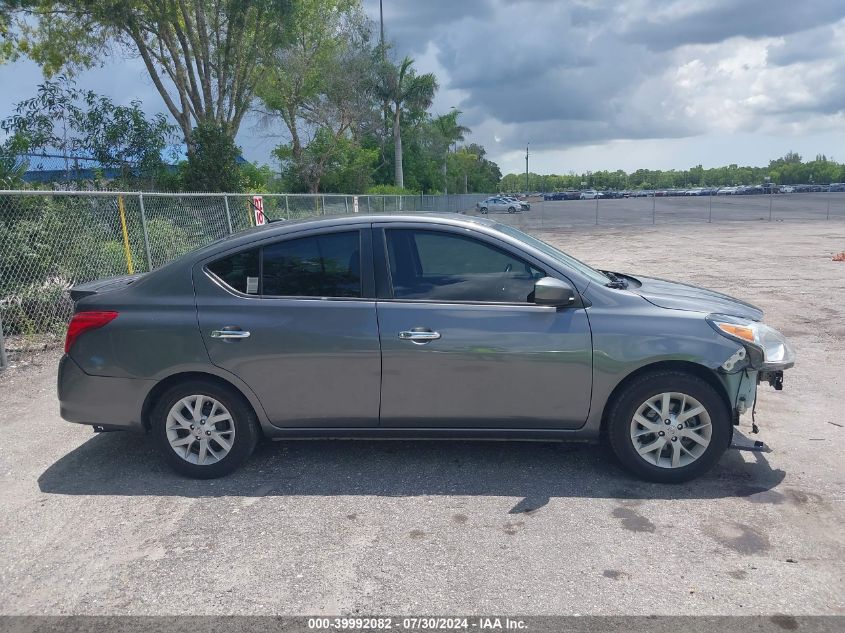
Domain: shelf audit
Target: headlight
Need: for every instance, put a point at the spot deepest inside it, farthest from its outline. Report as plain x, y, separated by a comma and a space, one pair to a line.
767, 348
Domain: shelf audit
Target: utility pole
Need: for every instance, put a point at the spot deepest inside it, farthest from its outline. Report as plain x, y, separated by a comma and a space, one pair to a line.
381, 22
527, 188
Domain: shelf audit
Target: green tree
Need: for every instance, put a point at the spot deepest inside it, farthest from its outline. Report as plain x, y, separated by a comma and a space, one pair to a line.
203, 56
75, 123
405, 92
213, 162
12, 170
321, 85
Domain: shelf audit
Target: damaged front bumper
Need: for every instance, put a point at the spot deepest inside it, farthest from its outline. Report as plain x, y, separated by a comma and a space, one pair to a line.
741, 380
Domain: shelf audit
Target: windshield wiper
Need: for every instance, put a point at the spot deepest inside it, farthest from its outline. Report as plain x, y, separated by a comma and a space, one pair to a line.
615, 280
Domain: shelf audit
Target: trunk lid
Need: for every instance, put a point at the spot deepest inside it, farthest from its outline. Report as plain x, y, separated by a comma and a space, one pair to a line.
100, 286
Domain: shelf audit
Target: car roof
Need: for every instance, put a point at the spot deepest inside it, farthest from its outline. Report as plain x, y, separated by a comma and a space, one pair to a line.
282, 227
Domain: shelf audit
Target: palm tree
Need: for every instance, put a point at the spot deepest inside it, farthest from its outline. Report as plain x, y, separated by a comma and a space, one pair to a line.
451, 132
450, 129
403, 89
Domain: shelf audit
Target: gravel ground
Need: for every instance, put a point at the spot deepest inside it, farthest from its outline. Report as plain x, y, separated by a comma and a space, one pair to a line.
98, 525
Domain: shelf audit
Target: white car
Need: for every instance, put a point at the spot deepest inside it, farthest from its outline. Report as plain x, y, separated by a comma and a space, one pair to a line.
787, 189
727, 191
589, 194
499, 203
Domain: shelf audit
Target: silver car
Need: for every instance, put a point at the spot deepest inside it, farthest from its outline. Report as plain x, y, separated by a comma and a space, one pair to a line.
501, 204
412, 326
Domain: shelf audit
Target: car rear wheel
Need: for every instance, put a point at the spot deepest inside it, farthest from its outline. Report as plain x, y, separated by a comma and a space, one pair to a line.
669, 427
204, 430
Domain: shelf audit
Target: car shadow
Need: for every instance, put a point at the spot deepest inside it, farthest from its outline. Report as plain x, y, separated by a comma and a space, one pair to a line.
124, 464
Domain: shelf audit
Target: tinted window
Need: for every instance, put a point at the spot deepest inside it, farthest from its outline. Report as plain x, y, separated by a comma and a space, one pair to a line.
238, 271
441, 266
316, 266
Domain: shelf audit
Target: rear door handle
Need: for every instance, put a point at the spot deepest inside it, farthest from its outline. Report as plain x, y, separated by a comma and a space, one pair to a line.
229, 334
419, 336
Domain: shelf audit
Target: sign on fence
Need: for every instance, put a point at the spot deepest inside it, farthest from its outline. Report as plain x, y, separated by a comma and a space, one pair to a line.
354, 204
258, 210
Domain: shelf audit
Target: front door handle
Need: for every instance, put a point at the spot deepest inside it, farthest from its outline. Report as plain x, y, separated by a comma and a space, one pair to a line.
419, 336
229, 334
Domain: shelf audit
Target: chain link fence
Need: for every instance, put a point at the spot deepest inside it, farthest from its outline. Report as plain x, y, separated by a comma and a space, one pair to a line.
51, 240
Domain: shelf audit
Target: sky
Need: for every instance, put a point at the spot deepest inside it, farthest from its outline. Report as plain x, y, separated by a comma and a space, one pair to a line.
595, 84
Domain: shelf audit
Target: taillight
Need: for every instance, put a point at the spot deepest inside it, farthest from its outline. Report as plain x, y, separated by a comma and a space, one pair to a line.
84, 321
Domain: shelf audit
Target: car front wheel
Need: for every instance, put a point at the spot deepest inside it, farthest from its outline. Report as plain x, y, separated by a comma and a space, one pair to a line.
669, 427
511, 210
484, 210
204, 430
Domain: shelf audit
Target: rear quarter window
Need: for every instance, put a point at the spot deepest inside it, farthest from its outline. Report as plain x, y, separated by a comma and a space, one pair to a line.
238, 271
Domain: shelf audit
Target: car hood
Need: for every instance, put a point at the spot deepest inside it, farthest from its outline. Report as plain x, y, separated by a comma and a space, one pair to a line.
678, 296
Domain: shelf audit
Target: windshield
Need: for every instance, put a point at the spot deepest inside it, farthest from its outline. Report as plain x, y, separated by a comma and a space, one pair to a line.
557, 255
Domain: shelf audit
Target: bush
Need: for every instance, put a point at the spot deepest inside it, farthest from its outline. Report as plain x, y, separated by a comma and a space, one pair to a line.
391, 190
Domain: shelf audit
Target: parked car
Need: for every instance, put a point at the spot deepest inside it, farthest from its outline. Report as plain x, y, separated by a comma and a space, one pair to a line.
787, 189
727, 191
695, 191
564, 195
499, 204
589, 194
387, 326
522, 202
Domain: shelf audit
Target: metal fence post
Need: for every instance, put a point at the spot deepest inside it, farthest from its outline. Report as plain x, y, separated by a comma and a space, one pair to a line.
4, 360
597, 210
368, 205
653, 208
828, 203
144, 230
770, 207
323, 200
127, 250
346, 204
287, 209
710, 212
228, 213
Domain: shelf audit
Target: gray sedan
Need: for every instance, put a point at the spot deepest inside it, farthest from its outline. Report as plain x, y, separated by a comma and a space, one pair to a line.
412, 326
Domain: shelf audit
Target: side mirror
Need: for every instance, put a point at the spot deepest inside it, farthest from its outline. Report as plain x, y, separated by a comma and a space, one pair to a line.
549, 291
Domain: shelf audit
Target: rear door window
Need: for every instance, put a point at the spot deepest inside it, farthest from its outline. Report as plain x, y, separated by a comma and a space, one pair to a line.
327, 265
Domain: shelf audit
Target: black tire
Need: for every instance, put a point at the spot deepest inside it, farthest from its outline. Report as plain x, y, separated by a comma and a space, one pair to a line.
636, 393
246, 435
511, 210
484, 210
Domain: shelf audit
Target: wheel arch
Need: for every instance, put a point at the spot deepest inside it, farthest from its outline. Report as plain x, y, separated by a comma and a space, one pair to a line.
174, 379
688, 367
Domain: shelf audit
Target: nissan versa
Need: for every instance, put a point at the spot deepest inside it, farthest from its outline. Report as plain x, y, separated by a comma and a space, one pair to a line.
412, 326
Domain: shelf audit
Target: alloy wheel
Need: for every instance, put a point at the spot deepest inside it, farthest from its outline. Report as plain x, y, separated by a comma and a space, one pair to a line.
200, 430
671, 430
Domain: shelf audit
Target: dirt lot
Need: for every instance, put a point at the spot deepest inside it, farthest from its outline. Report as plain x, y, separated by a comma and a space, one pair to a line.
97, 524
